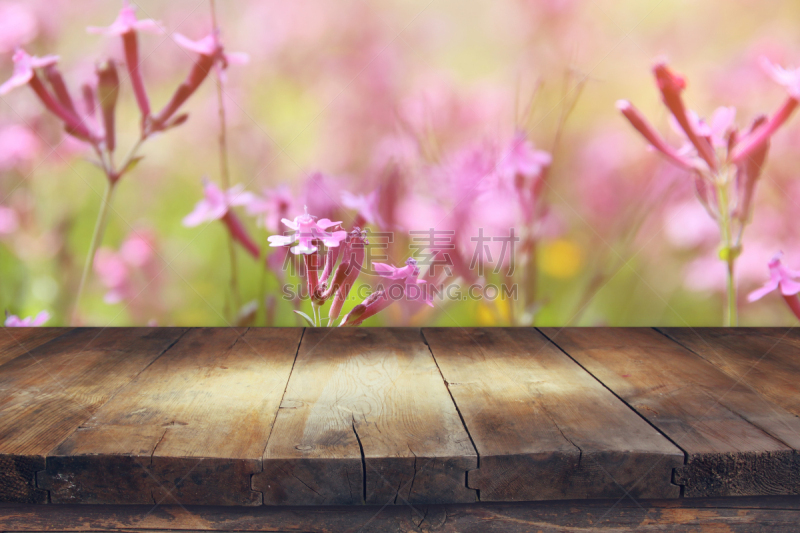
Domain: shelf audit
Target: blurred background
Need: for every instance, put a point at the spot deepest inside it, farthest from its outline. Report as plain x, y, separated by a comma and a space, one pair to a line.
393, 96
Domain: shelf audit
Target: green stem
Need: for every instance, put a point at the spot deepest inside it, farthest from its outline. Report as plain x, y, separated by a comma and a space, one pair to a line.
97, 237
123, 168
224, 167
729, 252
262, 286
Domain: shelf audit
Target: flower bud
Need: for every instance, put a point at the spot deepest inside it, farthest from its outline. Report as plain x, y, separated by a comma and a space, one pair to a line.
107, 94
60, 88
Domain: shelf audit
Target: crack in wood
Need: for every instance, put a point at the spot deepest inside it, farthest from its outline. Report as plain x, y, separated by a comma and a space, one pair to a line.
292, 474
620, 398
363, 462
152, 453
260, 461
238, 338
553, 420
460, 416
424, 516
414, 477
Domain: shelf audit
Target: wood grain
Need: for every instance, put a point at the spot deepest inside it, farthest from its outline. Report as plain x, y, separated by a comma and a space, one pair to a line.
764, 359
733, 515
191, 428
366, 417
543, 427
737, 441
49, 392
18, 341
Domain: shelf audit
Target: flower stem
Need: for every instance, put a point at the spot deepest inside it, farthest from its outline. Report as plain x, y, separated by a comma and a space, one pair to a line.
97, 237
316, 313
729, 251
224, 168
262, 285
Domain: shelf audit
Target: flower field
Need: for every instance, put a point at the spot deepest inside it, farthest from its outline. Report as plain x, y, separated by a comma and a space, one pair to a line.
399, 163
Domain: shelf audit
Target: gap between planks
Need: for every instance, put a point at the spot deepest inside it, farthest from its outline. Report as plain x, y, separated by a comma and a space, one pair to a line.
272, 426
460, 415
620, 398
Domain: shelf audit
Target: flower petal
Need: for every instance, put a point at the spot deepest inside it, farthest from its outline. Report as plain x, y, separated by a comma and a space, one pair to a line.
281, 240
237, 58
289, 223
789, 287
384, 270
206, 46
767, 288
41, 318
303, 248
332, 240
325, 223
200, 214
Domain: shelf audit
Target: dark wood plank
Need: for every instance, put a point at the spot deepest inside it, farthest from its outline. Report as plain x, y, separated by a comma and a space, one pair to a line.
190, 429
737, 442
47, 393
543, 427
734, 515
18, 341
366, 417
765, 359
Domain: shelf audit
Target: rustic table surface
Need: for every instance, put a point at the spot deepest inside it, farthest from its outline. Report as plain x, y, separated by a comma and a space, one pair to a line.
454, 421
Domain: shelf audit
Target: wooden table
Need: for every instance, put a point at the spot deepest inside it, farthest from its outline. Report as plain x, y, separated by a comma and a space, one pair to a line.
627, 427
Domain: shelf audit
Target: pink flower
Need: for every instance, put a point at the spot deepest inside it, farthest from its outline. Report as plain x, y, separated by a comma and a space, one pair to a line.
216, 206
216, 203
780, 277
523, 168
126, 22
788, 78
211, 55
24, 74
716, 131
320, 192
9, 221
367, 207
14, 321
758, 138
406, 286
671, 86
24, 65
641, 124
353, 257
273, 206
211, 47
116, 269
114, 274
19, 145
137, 250
307, 230
126, 26
521, 161
409, 276
18, 25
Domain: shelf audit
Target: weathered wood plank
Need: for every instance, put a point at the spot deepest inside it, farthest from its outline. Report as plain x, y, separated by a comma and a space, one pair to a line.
765, 359
734, 515
737, 442
366, 417
18, 341
543, 426
190, 429
48, 393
